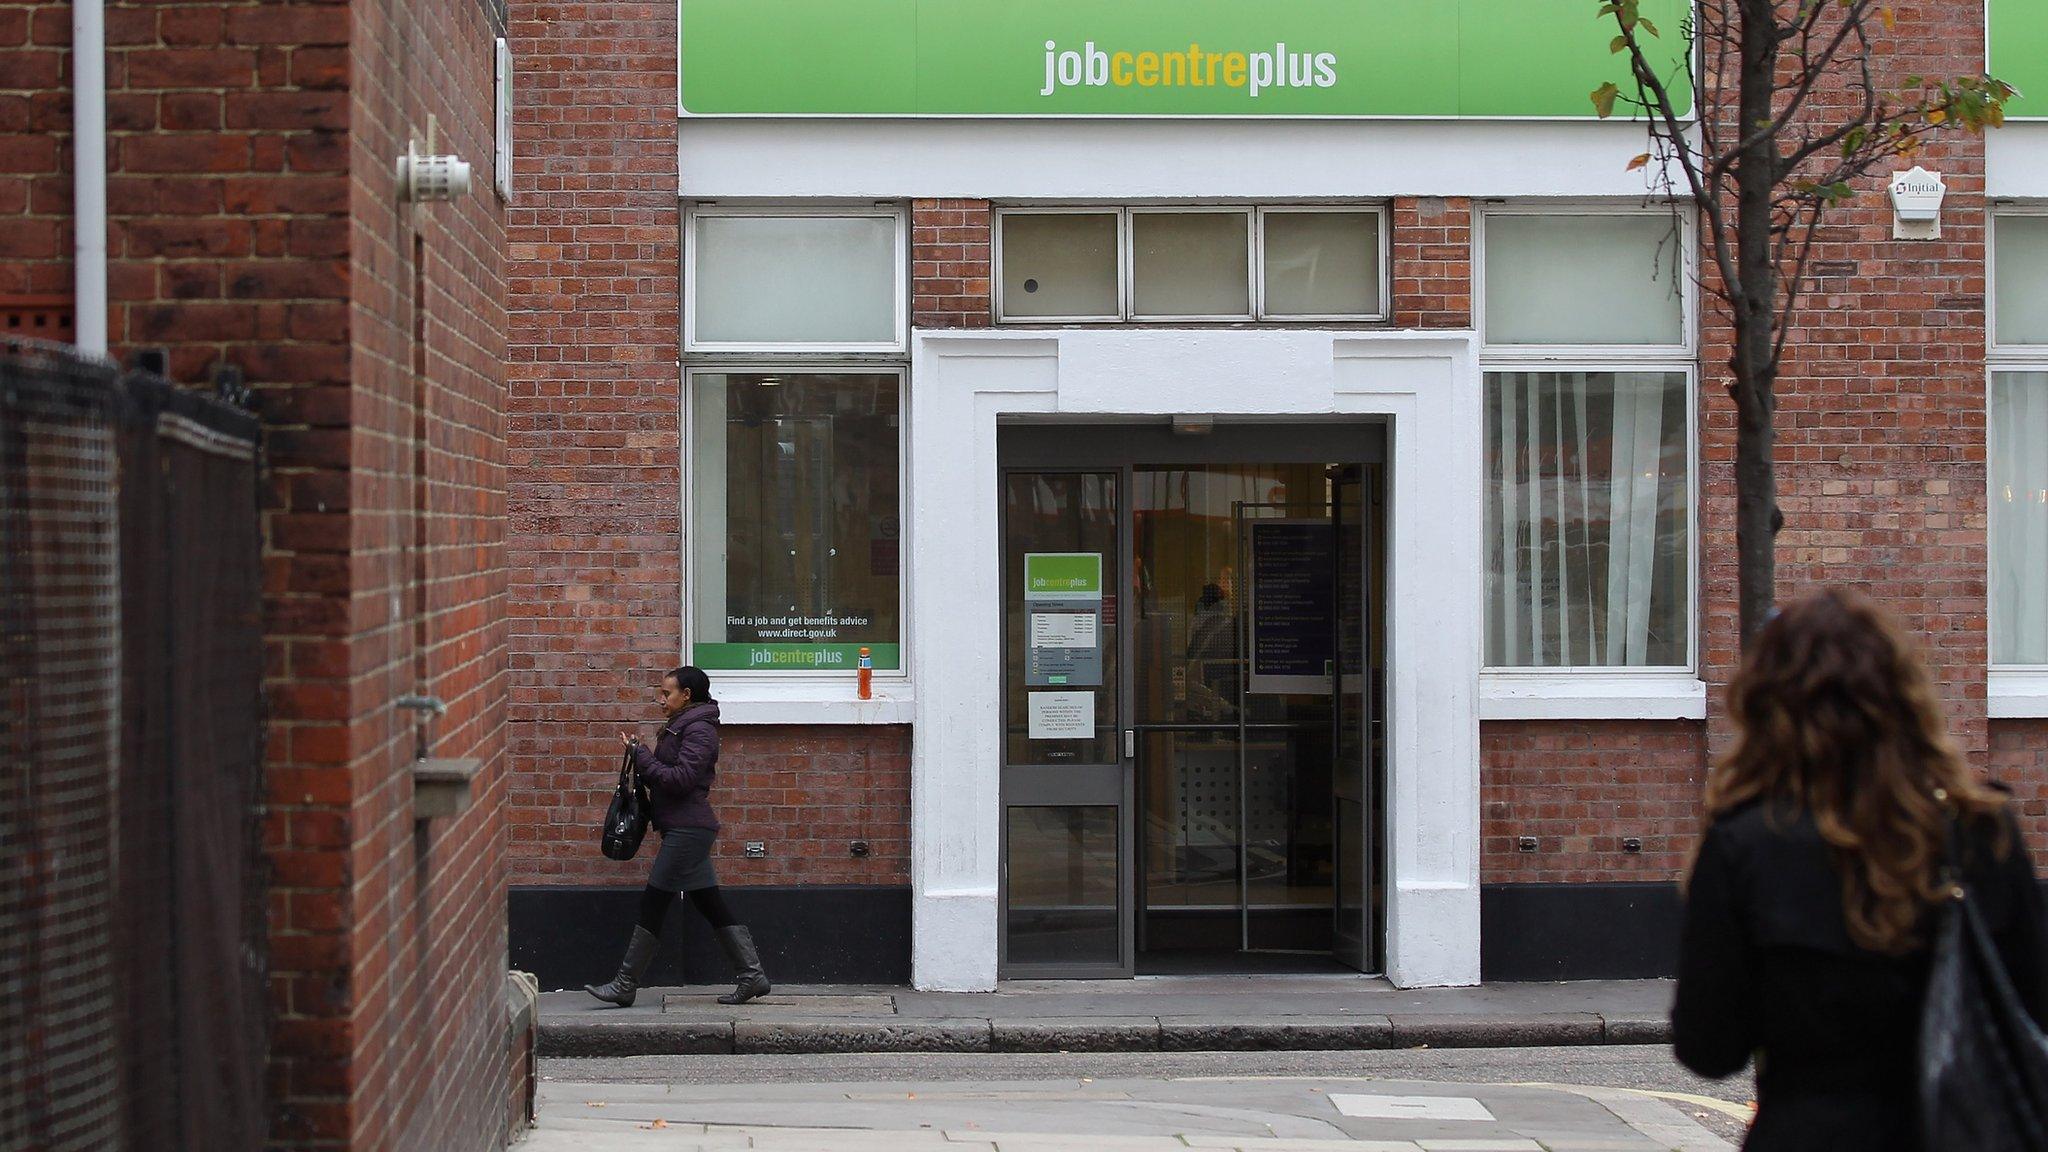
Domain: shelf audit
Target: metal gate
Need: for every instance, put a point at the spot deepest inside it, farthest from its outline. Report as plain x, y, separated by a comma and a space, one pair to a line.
132, 940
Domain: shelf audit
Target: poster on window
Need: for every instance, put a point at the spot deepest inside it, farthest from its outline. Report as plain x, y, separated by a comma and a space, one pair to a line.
1063, 619
1293, 606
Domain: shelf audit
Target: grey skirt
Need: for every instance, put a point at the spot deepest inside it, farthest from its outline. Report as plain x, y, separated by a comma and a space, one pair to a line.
684, 863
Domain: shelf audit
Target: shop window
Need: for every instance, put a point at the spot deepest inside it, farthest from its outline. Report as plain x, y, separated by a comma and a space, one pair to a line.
1320, 263
1176, 265
1597, 278
1191, 265
1588, 519
1588, 444
1060, 265
795, 502
2018, 443
791, 279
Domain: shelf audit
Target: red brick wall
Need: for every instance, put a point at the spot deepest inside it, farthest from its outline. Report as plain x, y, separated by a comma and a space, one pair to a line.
252, 223
35, 150
431, 1064
1881, 408
593, 413
595, 439
1431, 250
950, 259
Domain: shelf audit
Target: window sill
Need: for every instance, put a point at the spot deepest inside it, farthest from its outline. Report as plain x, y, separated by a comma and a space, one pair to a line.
2017, 694
1576, 696
801, 700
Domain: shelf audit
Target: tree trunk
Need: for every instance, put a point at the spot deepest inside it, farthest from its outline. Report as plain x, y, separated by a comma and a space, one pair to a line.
1756, 297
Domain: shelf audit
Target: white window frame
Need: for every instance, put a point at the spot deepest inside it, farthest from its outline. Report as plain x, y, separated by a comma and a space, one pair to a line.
806, 697
899, 343
2014, 691
1126, 294
1659, 692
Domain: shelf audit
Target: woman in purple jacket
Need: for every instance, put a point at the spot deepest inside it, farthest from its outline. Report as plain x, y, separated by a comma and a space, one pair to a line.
679, 770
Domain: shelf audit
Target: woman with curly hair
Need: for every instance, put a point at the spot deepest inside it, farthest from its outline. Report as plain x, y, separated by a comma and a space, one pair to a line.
1809, 909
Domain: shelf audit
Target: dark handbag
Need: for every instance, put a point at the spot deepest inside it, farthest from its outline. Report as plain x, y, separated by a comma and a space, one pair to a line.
625, 822
1983, 1061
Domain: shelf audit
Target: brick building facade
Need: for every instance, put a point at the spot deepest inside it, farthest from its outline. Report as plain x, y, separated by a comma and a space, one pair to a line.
1586, 798
254, 222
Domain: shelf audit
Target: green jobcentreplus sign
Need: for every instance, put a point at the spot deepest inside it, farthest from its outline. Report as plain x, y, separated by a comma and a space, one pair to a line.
1114, 58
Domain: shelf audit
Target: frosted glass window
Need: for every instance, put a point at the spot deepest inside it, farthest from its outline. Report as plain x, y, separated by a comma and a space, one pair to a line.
2019, 516
1607, 279
795, 279
1322, 263
1190, 264
2021, 261
1060, 265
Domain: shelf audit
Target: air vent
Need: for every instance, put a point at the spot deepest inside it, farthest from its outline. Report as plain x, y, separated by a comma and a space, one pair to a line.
38, 317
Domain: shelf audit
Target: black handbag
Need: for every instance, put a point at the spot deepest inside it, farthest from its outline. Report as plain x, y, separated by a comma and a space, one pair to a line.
1983, 1061
625, 822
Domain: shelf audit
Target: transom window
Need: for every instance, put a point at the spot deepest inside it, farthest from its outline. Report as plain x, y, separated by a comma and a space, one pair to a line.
1190, 263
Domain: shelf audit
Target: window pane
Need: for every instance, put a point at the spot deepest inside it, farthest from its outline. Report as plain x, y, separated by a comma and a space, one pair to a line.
1583, 280
1322, 263
1190, 264
1588, 538
1060, 265
1063, 886
795, 279
2022, 289
794, 488
2019, 517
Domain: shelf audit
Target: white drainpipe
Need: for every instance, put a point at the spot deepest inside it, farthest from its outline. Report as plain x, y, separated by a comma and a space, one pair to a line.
89, 170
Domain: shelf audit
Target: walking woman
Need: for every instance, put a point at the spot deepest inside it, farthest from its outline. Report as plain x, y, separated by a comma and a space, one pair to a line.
1809, 910
679, 770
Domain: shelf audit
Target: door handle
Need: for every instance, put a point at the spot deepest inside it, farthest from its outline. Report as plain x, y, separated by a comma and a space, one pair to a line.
1130, 743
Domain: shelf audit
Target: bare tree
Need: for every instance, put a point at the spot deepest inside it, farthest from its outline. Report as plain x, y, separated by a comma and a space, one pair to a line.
1791, 114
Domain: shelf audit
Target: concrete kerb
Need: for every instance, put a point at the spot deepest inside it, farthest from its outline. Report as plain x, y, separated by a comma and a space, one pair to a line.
583, 1036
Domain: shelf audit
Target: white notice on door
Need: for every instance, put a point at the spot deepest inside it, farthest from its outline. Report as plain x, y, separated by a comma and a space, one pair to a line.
1062, 716
1063, 629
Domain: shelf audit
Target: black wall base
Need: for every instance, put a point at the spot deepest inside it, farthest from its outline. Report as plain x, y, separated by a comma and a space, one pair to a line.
572, 936
1578, 931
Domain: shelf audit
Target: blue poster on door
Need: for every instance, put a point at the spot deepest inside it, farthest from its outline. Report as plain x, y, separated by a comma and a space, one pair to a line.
1293, 605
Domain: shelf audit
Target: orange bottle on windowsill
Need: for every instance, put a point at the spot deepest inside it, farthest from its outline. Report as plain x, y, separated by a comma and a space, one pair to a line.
865, 681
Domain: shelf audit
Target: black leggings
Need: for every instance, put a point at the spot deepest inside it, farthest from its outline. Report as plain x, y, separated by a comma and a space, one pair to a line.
710, 903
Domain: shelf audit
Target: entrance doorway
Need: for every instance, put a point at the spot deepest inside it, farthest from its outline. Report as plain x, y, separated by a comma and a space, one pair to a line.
1193, 774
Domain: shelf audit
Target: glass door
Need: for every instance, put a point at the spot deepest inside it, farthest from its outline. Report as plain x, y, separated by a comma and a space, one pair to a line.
1066, 778
1352, 746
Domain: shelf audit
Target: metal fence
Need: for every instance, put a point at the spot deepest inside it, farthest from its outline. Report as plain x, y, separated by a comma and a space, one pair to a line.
132, 940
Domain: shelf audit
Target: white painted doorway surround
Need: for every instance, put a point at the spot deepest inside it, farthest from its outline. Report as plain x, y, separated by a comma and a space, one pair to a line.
1428, 387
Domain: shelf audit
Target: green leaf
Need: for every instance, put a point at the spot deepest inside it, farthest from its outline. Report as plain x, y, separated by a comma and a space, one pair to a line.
1646, 26
1603, 99
1617, 45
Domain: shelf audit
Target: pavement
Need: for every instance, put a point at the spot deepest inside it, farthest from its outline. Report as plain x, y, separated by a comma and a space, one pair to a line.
1148, 1014
1244, 1114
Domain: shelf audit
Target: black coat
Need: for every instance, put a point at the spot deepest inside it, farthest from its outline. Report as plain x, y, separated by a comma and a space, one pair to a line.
1767, 967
